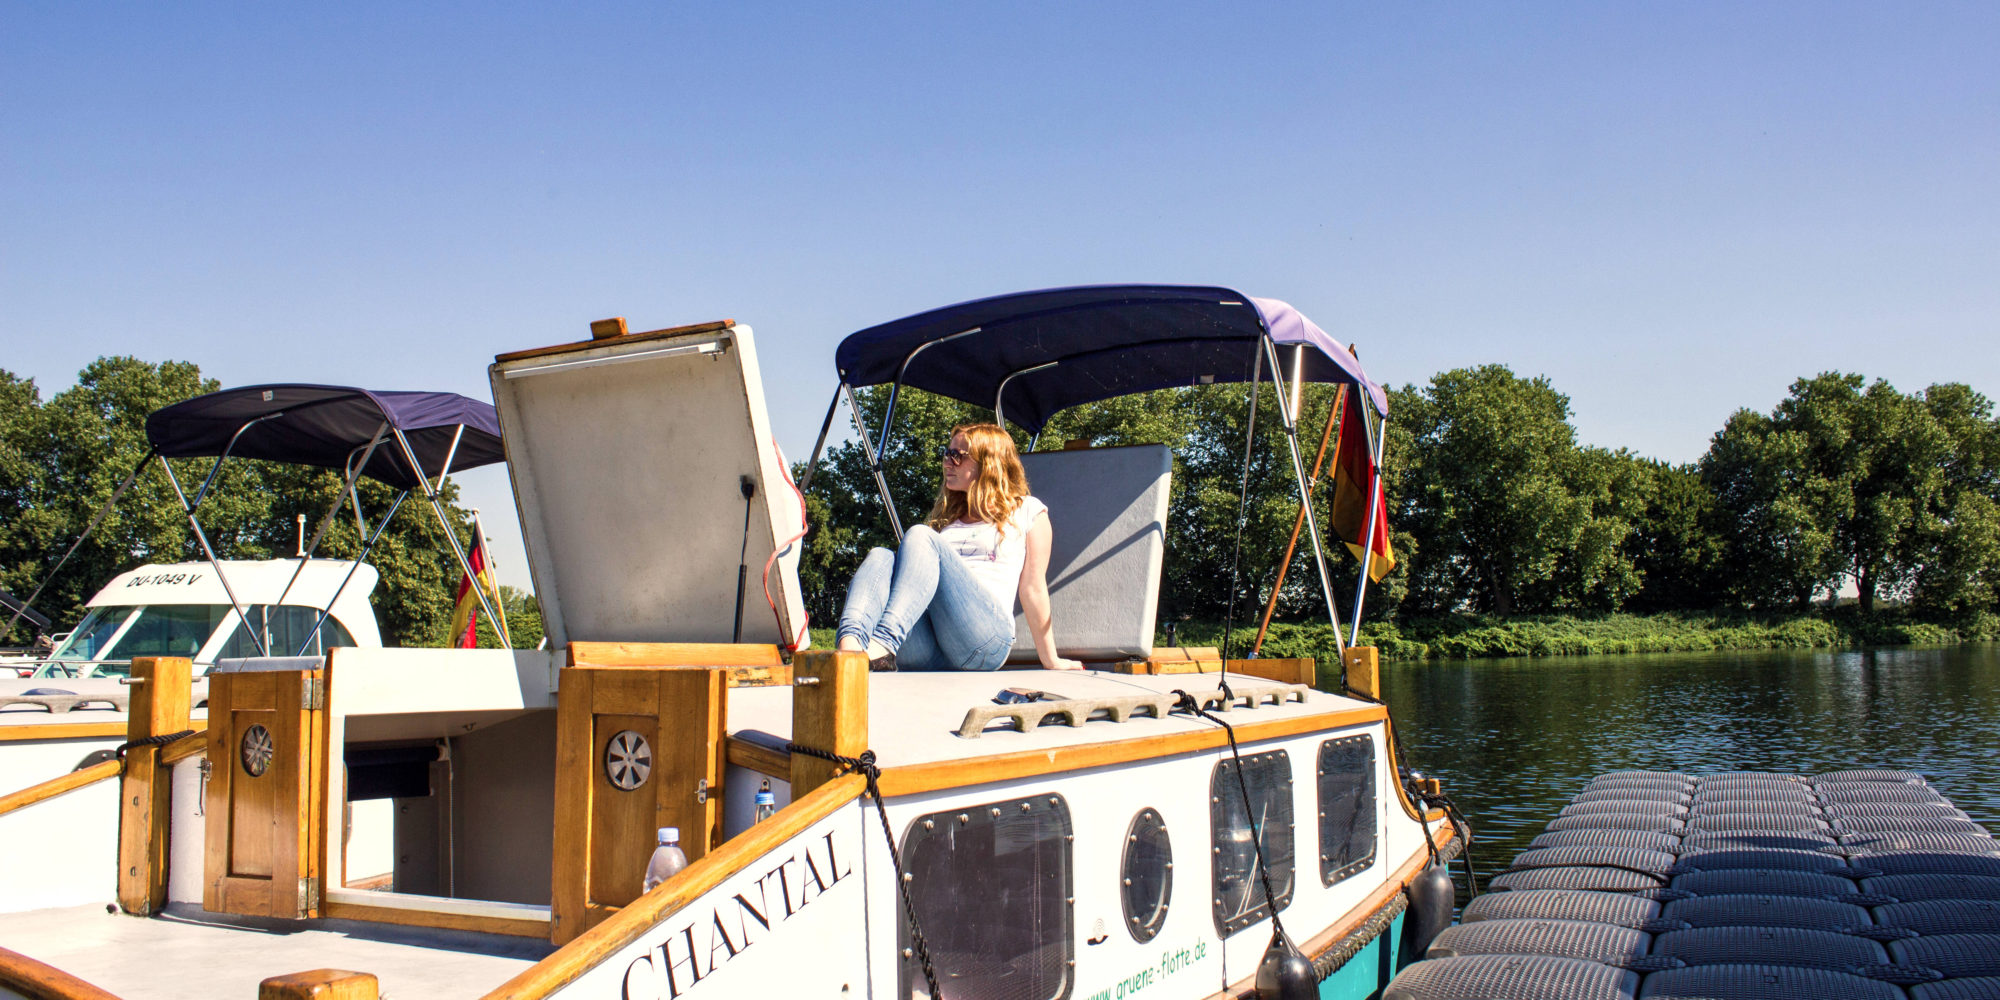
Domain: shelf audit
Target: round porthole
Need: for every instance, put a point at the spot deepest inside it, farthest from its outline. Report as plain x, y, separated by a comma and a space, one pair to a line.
628, 760
1147, 875
257, 750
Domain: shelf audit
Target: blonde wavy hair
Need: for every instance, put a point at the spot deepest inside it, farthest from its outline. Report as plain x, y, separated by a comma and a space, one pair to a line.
998, 483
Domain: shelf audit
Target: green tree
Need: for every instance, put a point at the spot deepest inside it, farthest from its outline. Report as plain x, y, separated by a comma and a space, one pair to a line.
1959, 540
1507, 515
60, 461
1676, 543
1843, 480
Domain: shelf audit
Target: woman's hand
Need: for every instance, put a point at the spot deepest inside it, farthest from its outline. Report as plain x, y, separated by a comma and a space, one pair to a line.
1034, 596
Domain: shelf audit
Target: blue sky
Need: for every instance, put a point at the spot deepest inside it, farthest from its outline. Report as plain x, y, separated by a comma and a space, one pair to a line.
1669, 209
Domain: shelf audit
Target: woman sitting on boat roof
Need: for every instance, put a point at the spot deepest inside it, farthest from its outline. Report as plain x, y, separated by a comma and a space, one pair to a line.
945, 600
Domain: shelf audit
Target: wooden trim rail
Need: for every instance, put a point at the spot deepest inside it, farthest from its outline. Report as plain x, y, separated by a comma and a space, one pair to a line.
37, 981
187, 746
57, 786
632, 921
913, 779
60, 731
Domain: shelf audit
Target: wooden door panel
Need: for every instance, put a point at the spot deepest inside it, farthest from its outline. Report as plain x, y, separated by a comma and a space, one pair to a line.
265, 750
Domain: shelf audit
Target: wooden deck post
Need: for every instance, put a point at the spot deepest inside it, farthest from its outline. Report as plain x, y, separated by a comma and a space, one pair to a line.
637, 748
145, 809
1364, 671
320, 984
829, 712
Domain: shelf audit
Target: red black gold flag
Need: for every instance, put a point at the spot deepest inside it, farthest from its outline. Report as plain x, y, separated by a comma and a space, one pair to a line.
1354, 484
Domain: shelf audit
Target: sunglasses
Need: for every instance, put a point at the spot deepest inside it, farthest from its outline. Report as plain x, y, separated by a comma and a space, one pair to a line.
953, 456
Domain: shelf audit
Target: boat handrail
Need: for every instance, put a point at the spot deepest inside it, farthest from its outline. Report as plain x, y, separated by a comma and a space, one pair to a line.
38, 981
61, 785
635, 919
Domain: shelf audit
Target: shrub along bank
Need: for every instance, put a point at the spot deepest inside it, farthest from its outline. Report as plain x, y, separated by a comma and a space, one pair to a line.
1451, 637
1457, 637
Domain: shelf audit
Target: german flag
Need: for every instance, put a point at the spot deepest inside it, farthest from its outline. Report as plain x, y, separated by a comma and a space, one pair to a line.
1355, 483
465, 615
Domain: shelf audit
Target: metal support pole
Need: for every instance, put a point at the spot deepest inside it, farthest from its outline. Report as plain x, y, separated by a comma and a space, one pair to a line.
437, 508
213, 562
1305, 496
202, 493
367, 547
130, 478
449, 454
500, 629
352, 473
812, 464
874, 462
1378, 441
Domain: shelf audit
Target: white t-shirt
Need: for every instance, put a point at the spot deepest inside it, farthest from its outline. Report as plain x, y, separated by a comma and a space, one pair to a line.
995, 559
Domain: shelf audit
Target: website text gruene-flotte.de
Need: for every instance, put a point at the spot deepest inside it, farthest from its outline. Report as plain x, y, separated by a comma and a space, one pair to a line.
678, 963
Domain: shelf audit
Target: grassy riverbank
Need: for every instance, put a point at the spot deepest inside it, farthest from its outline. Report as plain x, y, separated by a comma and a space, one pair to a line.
1465, 636
1453, 637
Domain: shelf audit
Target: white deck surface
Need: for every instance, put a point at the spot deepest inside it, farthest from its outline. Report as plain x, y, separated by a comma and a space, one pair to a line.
913, 718
191, 955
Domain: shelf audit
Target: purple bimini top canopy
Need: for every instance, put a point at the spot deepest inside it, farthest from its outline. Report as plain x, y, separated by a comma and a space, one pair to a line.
1056, 348
329, 426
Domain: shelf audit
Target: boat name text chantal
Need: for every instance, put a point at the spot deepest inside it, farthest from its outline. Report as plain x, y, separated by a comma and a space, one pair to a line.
677, 964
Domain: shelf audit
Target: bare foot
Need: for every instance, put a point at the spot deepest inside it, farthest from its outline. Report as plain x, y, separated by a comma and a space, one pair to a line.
876, 650
848, 644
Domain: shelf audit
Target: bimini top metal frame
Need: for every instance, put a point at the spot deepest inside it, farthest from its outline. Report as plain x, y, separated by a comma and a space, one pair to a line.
1030, 355
328, 426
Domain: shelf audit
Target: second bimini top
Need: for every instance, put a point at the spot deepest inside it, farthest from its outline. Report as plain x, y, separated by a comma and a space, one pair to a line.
1032, 354
328, 425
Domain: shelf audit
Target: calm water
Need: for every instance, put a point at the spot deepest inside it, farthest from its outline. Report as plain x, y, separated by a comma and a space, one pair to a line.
1514, 739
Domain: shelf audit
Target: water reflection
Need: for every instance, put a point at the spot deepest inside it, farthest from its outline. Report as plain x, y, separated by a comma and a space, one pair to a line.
1514, 739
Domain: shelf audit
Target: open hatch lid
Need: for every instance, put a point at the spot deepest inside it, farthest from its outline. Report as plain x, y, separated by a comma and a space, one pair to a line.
628, 455
327, 425
1055, 348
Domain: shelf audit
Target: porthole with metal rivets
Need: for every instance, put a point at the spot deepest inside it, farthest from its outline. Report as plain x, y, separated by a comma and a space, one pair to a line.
1012, 861
628, 760
1347, 804
257, 749
1146, 875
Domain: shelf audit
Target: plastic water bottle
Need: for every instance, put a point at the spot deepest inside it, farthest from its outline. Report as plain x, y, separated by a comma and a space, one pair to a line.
767, 803
667, 858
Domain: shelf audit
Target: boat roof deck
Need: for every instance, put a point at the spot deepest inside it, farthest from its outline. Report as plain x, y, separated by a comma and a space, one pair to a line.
187, 954
913, 718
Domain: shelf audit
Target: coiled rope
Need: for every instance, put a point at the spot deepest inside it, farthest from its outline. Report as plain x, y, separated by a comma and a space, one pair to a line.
865, 766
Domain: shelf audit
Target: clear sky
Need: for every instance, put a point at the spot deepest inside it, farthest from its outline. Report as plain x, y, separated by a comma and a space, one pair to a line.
1671, 209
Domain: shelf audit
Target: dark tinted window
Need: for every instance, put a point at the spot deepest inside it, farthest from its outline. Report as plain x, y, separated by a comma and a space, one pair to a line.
285, 629
1239, 893
1146, 879
1346, 807
991, 886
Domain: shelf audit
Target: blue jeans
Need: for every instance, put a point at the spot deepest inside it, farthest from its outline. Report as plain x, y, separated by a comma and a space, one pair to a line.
926, 607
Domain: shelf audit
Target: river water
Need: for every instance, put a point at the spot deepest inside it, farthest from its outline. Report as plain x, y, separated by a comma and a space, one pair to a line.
1514, 739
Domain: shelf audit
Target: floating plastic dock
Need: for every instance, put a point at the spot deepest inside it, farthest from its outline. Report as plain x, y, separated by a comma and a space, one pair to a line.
1855, 884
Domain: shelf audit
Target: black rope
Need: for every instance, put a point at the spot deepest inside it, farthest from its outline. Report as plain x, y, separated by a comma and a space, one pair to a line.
1188, 702
865, 766
1242, 515
1426, 800
149, 741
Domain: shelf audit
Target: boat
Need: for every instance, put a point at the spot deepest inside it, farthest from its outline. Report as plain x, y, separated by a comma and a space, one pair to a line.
1172, 823
74, 703
70, 710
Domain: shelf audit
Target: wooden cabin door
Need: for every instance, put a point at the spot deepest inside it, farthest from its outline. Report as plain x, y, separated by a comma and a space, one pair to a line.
266, 750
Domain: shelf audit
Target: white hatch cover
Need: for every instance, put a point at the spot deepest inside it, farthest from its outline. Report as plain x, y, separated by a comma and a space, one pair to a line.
627, 456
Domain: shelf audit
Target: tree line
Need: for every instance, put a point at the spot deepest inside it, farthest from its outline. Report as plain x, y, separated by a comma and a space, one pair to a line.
1495, 507
62, 458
